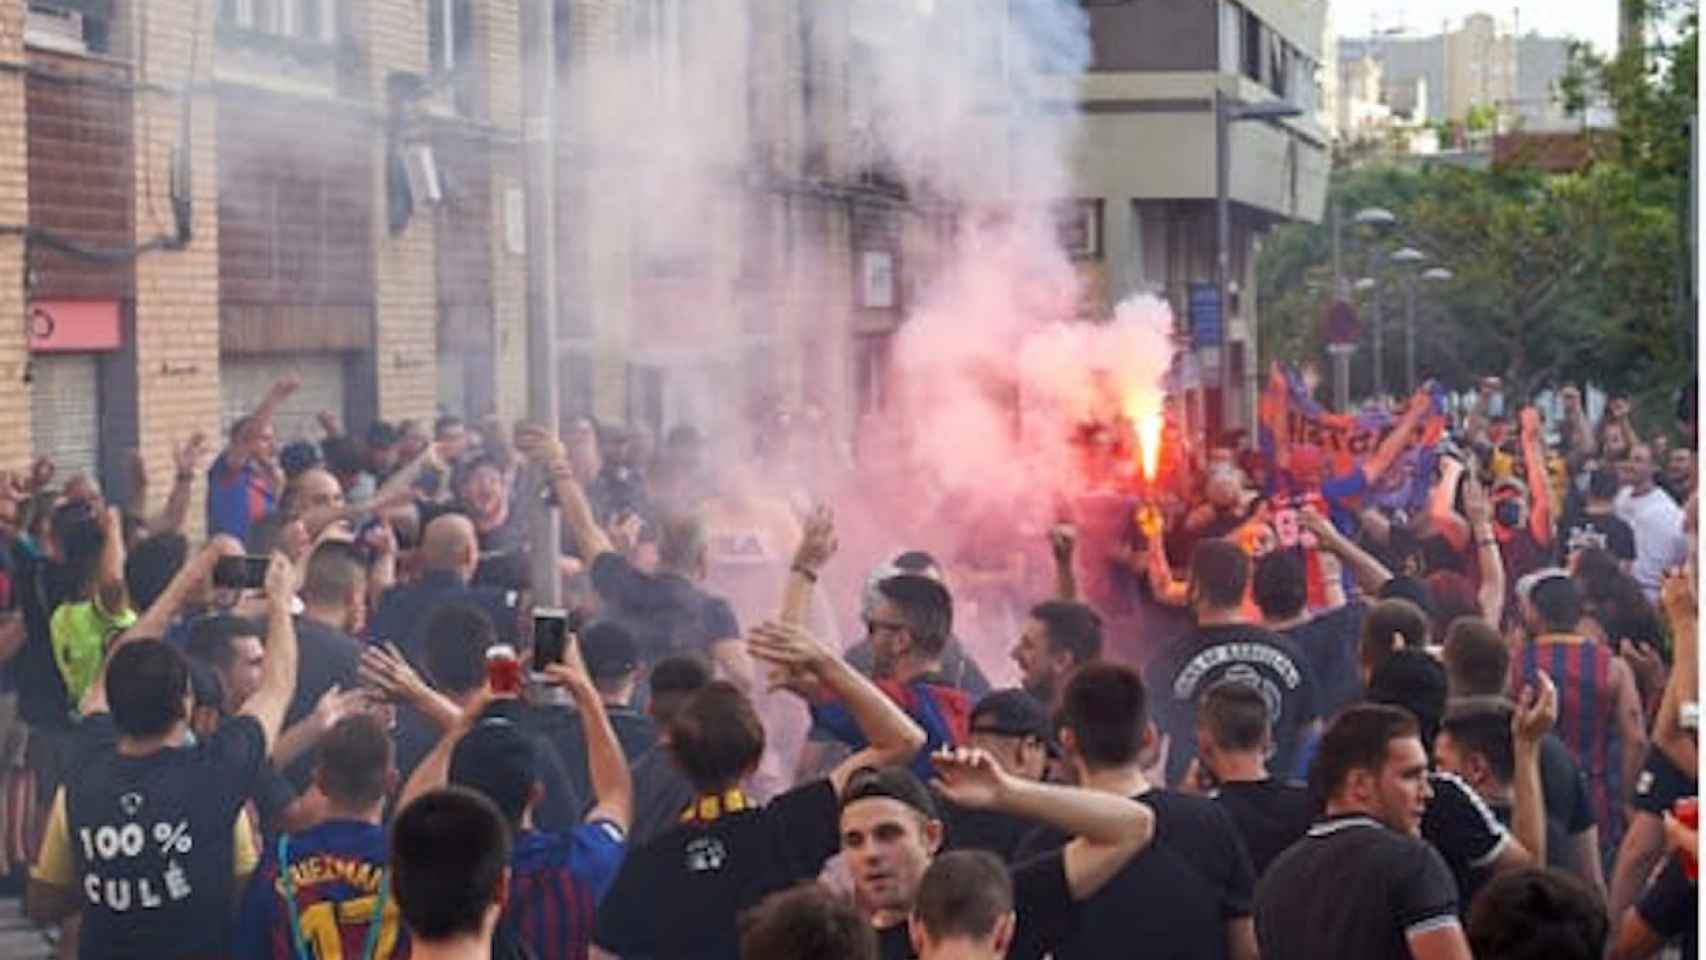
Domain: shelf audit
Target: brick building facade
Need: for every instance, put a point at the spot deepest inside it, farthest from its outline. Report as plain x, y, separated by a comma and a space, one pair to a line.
273, 160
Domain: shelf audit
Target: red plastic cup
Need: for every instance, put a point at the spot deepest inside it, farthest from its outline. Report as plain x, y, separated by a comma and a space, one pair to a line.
1687, 812
503, 670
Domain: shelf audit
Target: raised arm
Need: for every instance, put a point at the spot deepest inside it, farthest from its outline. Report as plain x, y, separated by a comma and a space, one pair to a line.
1369, 573
1402, 435
1539, 484
386, 669
1536, 712
1630, 720
1441, 509
1678, 601
818, 544
1490, 593
536, 444
195, 572
1107, 830
1063, 540
612, 784
893, 736
186, 457
110, 590
278, 669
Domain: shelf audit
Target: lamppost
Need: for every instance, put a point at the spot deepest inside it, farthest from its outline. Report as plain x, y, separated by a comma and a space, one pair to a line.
1437, 275
1375, 218
1227, 111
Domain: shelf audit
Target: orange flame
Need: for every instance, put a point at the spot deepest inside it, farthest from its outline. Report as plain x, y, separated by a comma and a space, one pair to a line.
1149, 443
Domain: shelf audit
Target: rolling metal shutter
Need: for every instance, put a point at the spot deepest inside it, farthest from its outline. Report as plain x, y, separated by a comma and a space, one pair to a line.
65, 407
243, 381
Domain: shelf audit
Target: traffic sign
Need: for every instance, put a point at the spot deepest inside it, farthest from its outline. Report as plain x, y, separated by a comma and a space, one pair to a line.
1205, 314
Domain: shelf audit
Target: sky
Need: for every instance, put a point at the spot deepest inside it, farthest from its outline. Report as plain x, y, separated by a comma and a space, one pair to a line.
1592, 20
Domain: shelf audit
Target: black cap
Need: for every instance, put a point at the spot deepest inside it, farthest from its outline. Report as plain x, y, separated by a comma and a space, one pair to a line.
609, 650
1011, 713
893, 783
497, 759
1411, 589
298, 456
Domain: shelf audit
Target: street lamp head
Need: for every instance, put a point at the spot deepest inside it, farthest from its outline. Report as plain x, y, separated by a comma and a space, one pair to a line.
1437, 273
1364, 285
1408, 255
1374, 217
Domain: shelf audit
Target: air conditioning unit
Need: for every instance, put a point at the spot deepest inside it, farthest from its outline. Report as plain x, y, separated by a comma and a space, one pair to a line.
53, 29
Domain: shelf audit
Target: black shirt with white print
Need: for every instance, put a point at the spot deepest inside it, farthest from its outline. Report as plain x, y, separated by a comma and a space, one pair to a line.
151, 840
1198, 662
1465, 831
1352, 888
681, 894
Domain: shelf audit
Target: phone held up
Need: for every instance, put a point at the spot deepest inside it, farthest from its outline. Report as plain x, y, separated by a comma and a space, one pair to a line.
552, 627
241, 573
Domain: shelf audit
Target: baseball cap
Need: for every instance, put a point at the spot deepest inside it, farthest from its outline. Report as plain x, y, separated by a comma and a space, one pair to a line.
1411, 589
497, 759
892, 783
608, 650
1011, 713
1525, 586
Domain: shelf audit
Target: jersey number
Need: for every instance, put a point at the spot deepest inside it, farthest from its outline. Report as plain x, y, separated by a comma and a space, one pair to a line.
323, 927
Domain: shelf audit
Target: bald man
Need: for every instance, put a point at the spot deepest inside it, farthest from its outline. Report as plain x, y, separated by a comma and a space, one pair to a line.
449, 554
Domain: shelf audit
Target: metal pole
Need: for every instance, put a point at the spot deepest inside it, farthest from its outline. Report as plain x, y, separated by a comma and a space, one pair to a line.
540, 133
1338, 267
1410, 336
1379, 351
1341, 379
1222, 248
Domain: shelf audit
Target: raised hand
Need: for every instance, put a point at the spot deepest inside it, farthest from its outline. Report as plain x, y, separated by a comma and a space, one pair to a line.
1476, 505
1063, 539
187, 455
787, 646
1531, 423
819, 543
1536, 710
281, 579
969, 777
385, 669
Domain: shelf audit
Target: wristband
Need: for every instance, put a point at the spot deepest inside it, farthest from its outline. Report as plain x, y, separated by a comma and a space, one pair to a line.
1485, 542
804, 572
184, 477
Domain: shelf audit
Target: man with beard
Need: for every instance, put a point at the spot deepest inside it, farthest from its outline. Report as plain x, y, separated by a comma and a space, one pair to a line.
1059, 637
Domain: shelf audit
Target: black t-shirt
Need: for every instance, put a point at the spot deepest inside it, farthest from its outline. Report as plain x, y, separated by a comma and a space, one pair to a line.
329, 658
1352, 888
1661, 783
1564, 786
681, 894
1560, 853
1270, 816
152, 836
999, 833
561, 726
1176, 897
1042, 905
1200, 661
562, 806
1330, 643
666, 613
1671, 907
661, 794
1465, 832
1607, 532
40, 587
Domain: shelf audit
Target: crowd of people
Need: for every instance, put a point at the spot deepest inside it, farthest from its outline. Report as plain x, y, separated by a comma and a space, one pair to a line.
1259, 710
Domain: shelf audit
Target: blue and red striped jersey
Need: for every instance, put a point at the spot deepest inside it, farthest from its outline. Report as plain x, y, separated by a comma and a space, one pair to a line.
556, 883
335, 874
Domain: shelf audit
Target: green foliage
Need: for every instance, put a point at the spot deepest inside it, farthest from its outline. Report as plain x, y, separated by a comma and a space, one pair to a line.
1557, 278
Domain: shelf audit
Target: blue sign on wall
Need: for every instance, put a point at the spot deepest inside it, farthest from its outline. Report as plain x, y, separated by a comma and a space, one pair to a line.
1207, 329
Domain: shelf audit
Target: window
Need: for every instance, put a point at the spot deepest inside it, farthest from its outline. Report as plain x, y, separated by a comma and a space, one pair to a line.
1231, 36
1252, 46
313, 20
450, 49
1078, 223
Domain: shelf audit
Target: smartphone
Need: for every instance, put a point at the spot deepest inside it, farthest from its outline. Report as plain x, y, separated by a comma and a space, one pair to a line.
550, 636
241, 573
